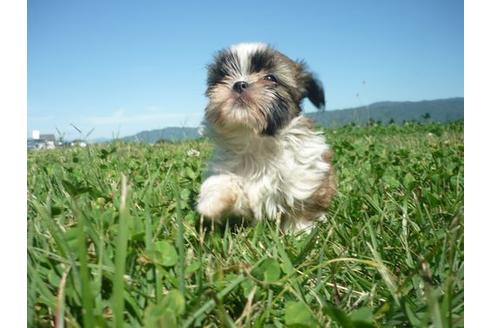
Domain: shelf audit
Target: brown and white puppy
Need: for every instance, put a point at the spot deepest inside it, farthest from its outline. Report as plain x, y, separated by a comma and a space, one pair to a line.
269, 163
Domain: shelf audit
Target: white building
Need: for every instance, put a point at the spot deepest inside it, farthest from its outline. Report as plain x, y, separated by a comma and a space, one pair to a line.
35, 134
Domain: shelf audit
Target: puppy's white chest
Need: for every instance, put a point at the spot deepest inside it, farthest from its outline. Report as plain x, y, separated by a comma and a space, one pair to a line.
265, 191
275, 185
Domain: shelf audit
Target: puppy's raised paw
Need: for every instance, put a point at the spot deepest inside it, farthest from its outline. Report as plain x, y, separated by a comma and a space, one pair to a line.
218, 197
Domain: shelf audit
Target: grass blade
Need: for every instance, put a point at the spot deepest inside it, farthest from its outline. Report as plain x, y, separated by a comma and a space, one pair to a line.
180, 241
87, 299
121, 247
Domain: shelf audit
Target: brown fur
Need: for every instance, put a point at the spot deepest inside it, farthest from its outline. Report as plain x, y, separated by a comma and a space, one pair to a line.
319, 201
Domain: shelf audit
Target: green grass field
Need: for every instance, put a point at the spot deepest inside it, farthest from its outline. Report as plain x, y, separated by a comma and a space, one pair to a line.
113, 240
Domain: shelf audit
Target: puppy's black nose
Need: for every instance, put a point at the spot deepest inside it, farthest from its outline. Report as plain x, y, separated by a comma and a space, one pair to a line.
240, 86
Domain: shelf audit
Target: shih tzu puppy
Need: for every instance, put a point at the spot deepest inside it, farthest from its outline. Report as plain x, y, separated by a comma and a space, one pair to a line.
269, 163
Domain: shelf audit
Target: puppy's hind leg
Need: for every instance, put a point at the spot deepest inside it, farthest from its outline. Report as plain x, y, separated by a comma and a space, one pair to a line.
221, 195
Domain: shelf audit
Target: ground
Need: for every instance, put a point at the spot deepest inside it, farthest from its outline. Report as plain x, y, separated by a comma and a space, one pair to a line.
113, 239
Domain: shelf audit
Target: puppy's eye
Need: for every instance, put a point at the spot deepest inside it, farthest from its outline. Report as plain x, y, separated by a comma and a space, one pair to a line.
270, 77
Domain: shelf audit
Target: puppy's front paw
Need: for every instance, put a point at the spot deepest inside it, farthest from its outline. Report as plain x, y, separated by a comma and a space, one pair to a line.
218, 196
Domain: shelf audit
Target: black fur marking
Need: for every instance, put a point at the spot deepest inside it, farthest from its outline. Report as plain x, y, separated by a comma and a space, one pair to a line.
224, 62
262, 60
277, 116
315, 93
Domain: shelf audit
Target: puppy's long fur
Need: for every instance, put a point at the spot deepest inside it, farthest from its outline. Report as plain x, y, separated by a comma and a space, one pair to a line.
269, 163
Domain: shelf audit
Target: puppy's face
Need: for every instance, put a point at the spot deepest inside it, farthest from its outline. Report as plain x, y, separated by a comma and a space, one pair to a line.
253, 86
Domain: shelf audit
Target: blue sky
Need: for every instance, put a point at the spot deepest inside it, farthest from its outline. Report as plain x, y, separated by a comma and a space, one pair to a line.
121, 67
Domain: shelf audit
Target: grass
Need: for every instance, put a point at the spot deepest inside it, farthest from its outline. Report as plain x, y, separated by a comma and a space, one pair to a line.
113, 240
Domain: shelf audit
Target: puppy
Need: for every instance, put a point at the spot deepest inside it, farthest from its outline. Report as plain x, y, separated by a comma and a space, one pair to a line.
269, 163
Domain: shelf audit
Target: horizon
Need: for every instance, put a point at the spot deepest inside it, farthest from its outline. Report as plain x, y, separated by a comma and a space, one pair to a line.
98, 139
136, 68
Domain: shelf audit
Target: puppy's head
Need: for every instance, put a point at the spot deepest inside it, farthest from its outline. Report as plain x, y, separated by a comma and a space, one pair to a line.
253, 86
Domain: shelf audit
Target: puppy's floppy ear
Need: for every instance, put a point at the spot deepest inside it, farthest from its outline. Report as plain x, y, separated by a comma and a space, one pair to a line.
311, 87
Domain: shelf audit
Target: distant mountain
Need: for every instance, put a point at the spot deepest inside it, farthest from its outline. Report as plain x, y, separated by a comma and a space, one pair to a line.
171, 133
440, 110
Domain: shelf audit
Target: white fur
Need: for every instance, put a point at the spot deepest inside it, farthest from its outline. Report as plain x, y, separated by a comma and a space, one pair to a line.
271, 175
244, 51
215, 188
